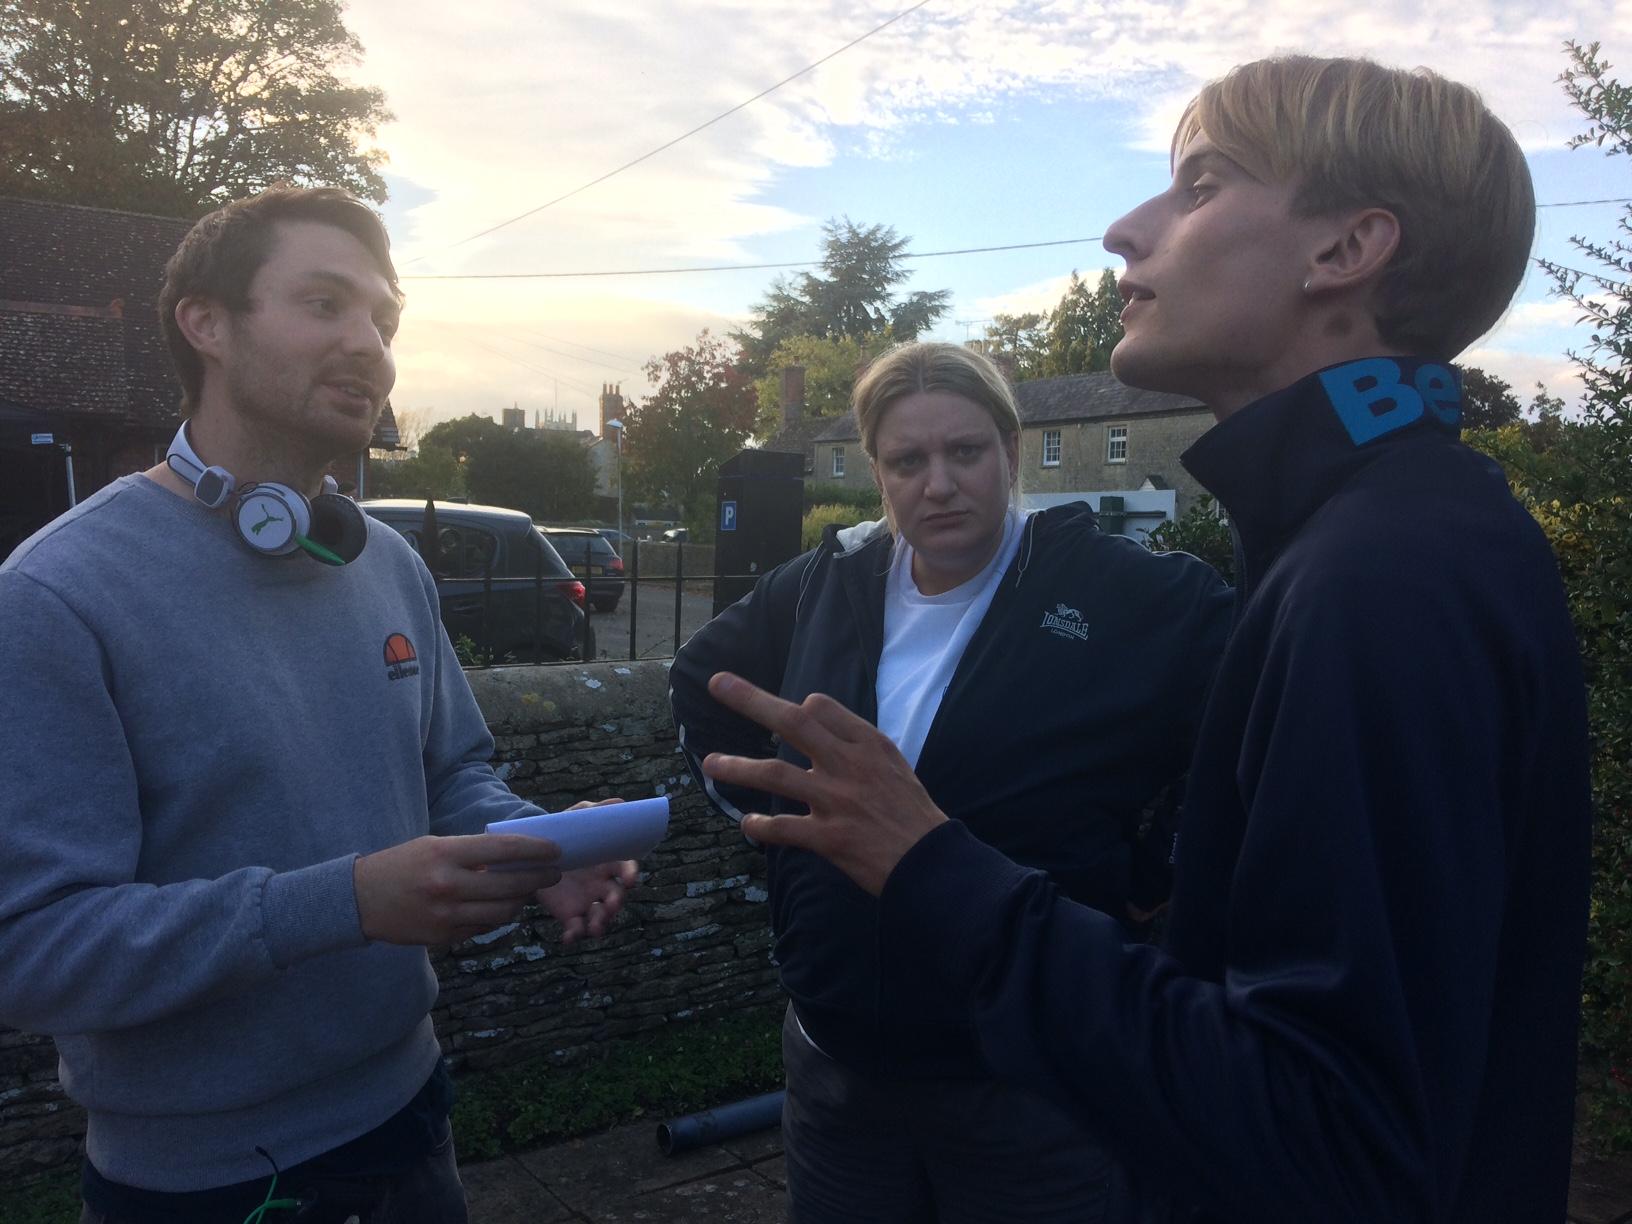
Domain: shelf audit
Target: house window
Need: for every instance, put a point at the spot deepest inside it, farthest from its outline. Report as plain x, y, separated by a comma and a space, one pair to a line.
838, 461
1051, 448
1116, 444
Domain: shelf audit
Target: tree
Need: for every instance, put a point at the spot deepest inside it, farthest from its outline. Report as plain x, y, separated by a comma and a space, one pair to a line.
1018, 344
831, 365
432, 473
854, 294
464, 436
701, 412
1084, 327
1488, 402
547, 475
412, 424
177, 106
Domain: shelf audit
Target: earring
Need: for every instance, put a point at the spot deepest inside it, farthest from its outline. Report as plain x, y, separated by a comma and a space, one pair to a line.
1306, 283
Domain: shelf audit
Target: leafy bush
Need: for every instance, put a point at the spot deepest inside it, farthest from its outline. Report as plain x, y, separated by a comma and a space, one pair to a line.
1201, 532
818, 517
866, 500
1576, 479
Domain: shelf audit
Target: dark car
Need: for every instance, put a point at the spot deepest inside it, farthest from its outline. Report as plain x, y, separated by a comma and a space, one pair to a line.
587, 551
501, 583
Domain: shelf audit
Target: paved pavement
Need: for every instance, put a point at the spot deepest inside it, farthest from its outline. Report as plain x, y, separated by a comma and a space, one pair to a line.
621, 1178
1600, 1190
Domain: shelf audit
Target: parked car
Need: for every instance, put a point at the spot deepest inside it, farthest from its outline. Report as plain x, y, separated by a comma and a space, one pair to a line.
501, 583
586, 550
677, 534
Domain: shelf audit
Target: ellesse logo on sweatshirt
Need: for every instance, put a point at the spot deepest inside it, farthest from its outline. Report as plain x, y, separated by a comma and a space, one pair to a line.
400, 659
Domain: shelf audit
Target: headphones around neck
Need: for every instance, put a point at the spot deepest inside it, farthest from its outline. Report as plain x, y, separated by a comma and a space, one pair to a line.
273, 519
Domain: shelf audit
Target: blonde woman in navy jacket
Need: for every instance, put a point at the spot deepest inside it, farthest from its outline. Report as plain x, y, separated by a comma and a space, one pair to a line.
1045, 679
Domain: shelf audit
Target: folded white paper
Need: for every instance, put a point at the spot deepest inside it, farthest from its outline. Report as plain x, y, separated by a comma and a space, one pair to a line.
596, 834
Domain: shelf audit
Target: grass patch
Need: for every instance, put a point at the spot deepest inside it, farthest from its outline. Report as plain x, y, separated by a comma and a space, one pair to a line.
52, 1199
672, 1071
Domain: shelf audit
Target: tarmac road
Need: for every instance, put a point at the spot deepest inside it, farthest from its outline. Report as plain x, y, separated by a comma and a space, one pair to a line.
654, 628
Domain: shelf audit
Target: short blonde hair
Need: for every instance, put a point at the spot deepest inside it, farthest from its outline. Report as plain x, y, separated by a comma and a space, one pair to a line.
1351, 134
925, 366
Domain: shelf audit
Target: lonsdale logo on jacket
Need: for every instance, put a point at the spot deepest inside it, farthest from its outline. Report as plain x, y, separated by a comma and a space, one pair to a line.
400, 659
1065, 622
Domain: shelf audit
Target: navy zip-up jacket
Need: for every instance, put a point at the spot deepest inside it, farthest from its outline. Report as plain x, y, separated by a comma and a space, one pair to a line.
1368, 1008
1074, 704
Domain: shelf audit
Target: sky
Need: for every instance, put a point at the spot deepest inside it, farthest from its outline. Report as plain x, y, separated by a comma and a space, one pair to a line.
962, 124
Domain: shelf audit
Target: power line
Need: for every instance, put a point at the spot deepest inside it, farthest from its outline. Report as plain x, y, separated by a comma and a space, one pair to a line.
577, 386
809, 263
1580, 203
685, 135
588, 348
617, 369
816, 263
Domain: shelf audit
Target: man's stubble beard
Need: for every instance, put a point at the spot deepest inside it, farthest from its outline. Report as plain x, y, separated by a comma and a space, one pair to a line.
259, 396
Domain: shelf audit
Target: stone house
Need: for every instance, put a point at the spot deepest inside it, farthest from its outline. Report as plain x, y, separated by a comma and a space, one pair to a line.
87, 393
1089, 437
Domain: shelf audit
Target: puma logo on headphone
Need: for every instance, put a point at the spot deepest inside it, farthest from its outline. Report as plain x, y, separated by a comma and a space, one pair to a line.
273, 519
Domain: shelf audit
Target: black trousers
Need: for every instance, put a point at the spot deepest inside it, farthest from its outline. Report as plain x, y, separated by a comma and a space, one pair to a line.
862, 1150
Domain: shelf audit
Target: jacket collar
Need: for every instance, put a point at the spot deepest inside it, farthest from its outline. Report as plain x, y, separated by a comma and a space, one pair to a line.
1278, 460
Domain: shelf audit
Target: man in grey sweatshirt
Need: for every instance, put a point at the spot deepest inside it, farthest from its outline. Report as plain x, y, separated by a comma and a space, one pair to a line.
245, 780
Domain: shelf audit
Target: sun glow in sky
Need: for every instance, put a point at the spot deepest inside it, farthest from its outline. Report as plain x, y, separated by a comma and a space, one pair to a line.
964, 124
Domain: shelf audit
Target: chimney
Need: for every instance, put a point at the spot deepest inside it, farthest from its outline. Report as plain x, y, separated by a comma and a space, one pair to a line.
611, 404
793, 394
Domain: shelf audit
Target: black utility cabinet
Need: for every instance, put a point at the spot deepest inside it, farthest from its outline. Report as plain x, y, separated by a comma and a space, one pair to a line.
757, 518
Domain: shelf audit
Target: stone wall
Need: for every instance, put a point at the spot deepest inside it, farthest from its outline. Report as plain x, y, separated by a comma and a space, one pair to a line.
694, 939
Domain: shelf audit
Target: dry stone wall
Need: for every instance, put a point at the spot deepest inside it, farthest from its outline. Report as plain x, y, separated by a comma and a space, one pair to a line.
693, 941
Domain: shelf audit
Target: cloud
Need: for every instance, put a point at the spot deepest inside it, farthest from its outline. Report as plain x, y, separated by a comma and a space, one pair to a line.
469, 348
1040, 296
1522, 371
504, 105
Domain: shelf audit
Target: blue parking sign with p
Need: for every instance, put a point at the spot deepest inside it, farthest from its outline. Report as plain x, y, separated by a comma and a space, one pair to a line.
728, 516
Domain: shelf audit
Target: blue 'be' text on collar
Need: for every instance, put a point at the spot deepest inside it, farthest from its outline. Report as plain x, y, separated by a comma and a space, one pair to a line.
1372, 398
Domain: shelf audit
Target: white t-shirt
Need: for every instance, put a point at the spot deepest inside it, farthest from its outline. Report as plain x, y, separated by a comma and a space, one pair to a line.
924, 637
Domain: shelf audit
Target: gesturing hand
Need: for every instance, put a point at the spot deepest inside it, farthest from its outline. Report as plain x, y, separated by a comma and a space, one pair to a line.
437, 890
867, 807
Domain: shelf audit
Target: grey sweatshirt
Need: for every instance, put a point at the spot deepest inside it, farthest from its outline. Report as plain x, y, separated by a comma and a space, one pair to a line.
195, 745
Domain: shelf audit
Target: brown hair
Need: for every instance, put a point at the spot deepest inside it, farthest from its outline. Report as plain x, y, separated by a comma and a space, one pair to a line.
221, 254
1352, 133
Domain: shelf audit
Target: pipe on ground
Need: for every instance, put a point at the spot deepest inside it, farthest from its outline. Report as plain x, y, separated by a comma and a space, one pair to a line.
720, 1123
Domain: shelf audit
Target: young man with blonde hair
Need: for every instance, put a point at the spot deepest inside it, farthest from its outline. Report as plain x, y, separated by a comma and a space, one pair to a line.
1367, 1007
